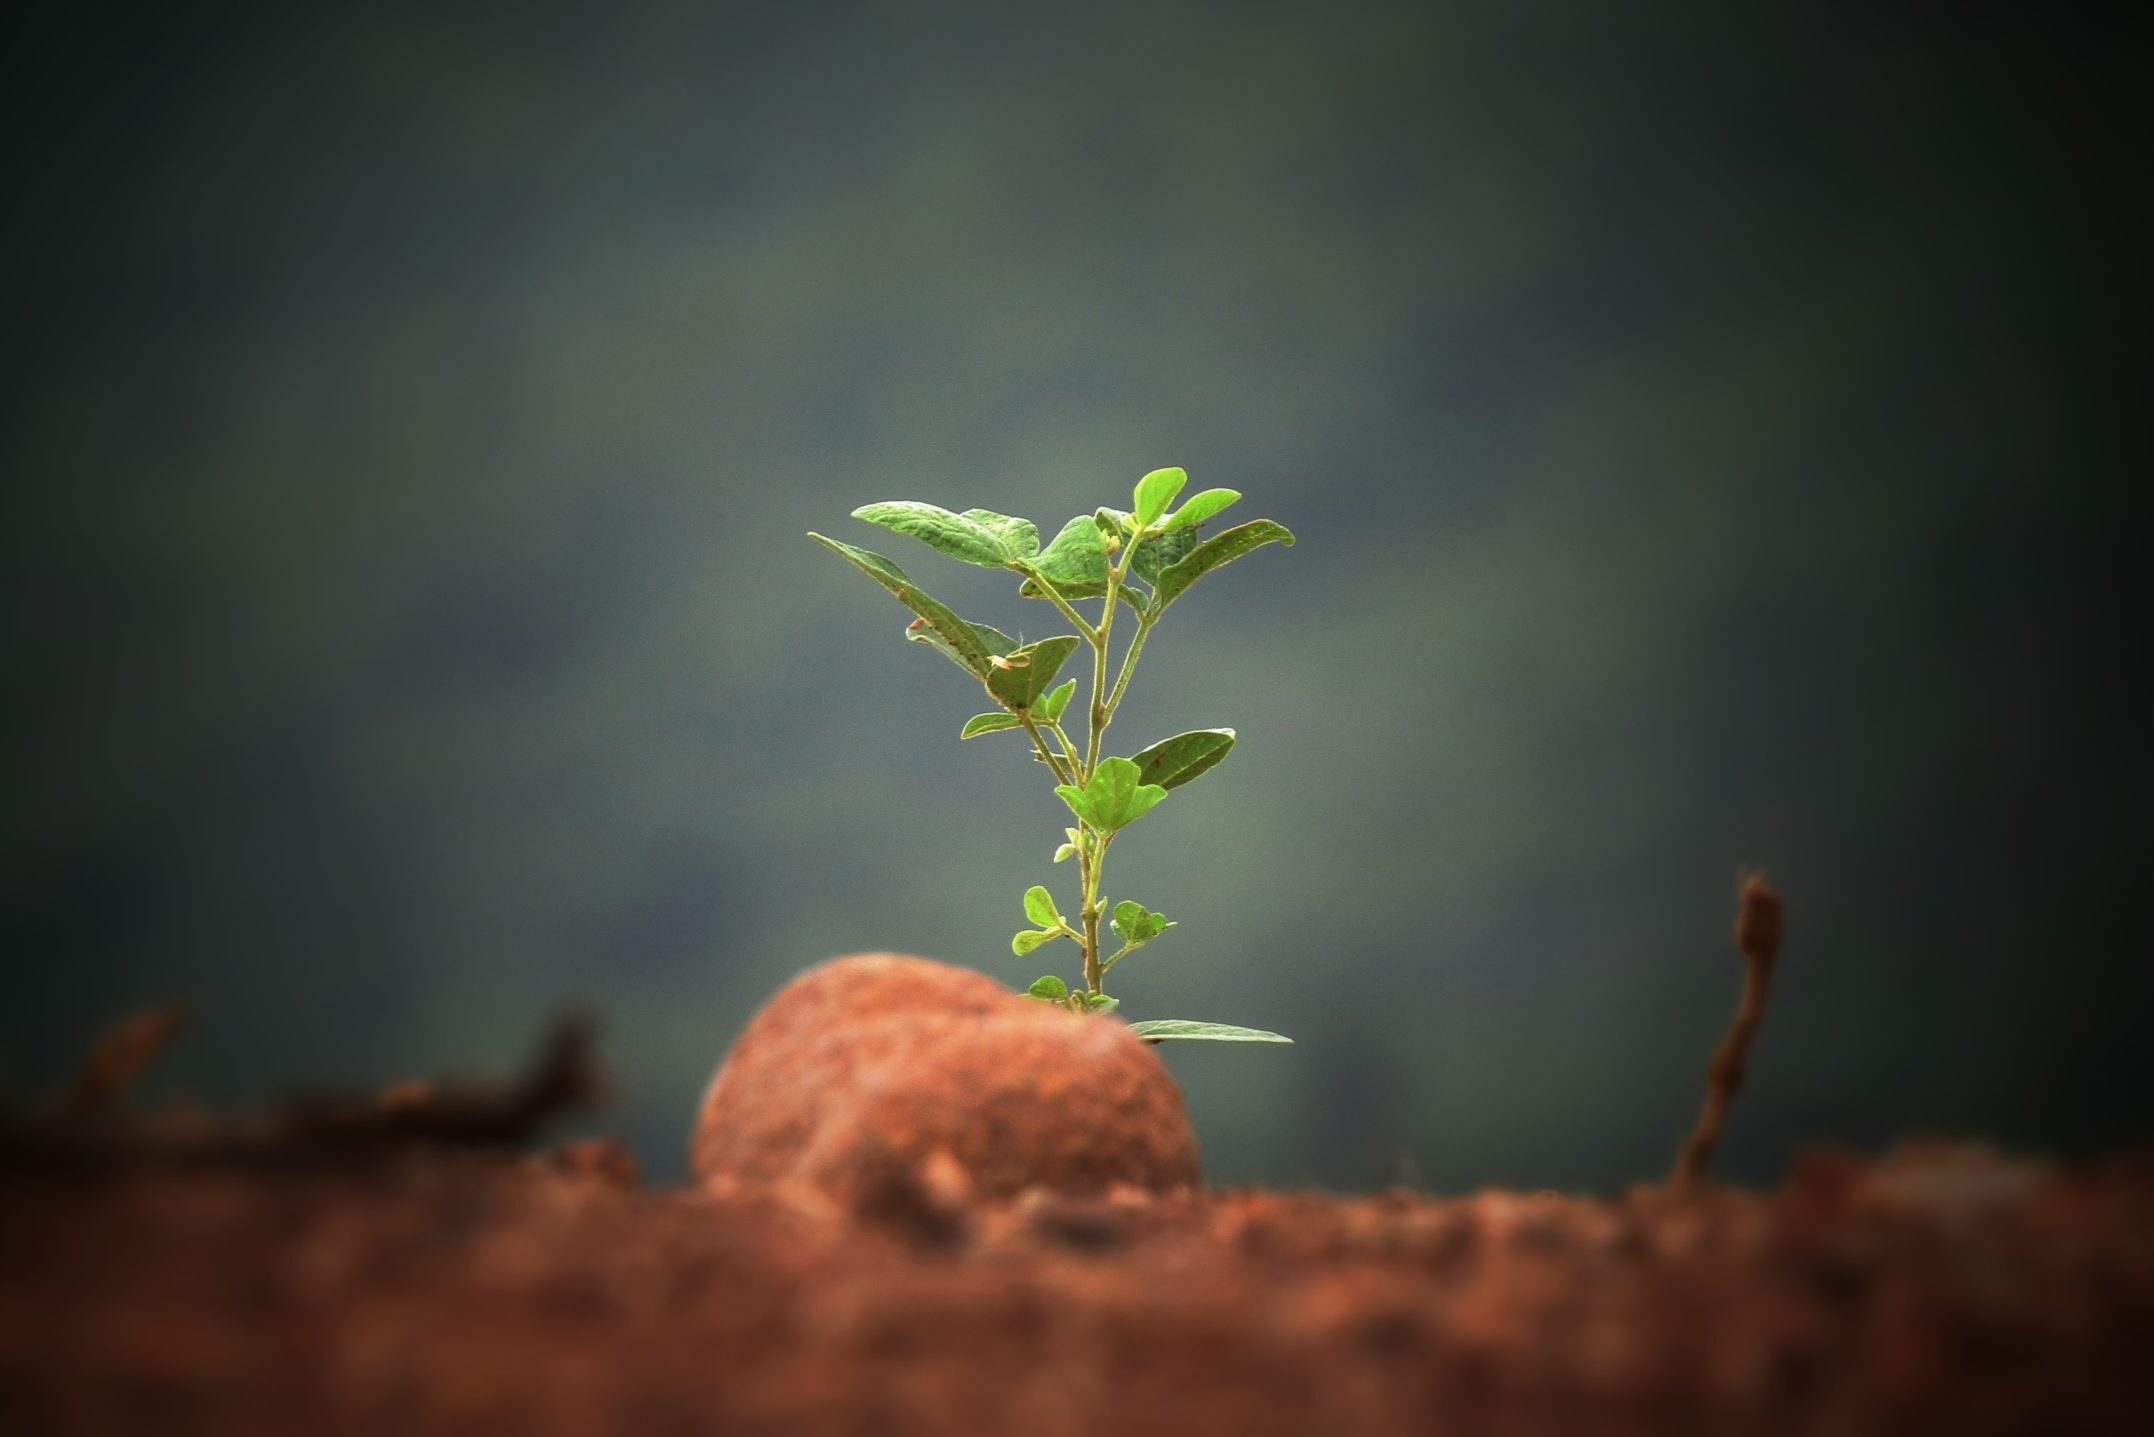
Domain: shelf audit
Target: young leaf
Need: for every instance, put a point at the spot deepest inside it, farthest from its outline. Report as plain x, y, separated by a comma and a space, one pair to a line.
1160, 1030
1080, 803
987, 723
1025, 673
1057, 699
1101, 1003
1067, 850
1049, 989
1137, 925
1030, 938
1040, 907
953, 636
1223, 547
1073, 561
959, 535
1172, 762
1200, 507
1115, 798
1124, 796
1019, 534
1155, 491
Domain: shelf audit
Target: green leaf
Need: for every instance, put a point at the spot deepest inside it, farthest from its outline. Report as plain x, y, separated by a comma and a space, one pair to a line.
1025, 673
958, 640
1223, 547
959, 535
1101, 1003
1028, 939
1074, 561
1067, 850
1057, 699
1158, 551
1049, 989
1199, 507
987, 723
1172, 762
1022, 539
1115, 798
1040, 907
1137, 925
1079, 803
1155, 491
1160, 1030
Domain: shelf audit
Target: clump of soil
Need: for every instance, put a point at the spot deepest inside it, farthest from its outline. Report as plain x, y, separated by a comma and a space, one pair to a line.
1937, 1291
869, 1075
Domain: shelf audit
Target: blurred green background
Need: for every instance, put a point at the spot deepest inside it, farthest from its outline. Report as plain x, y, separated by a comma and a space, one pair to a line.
1706, 433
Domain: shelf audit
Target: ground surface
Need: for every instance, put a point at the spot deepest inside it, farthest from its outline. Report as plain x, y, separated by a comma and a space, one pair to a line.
1933, 1293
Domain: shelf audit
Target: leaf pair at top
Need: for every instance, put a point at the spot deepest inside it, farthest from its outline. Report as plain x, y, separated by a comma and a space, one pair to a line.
1169, 557
1076, 561
1156, 490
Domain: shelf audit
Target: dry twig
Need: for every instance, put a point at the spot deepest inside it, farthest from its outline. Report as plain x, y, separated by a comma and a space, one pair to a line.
422, 1113
119, 1058
1757, 936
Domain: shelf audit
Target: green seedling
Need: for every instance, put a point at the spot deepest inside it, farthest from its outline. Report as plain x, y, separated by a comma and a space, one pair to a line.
1143, 560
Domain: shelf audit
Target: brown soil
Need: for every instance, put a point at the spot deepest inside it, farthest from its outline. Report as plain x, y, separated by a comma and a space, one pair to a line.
1940, 1291
864, 1069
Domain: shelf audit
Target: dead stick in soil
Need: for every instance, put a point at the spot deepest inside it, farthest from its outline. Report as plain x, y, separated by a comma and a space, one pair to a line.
1757, 936
119, 1058
565, 1074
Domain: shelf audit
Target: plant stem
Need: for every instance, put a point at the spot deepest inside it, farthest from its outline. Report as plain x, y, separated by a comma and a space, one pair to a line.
1129, 664
1094, 973
1092, 849
1068, 611
1104, 699
1098, 727
1046, 753
1069, 747
1757, 935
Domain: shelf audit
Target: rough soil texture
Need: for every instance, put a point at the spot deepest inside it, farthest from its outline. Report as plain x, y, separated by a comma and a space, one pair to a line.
1940, 1291
867, 1069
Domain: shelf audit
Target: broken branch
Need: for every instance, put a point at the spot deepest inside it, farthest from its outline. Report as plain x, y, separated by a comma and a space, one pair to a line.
1758, 918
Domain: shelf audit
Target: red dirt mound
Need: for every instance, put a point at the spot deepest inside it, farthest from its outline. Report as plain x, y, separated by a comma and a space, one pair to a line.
880, 1069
